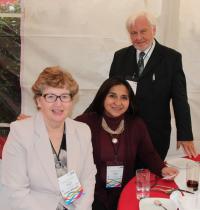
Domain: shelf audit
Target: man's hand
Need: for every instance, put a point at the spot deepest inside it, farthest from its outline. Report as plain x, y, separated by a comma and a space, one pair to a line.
22, 116
188, 147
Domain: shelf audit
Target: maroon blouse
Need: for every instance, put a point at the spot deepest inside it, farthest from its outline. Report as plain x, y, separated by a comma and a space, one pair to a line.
133, 141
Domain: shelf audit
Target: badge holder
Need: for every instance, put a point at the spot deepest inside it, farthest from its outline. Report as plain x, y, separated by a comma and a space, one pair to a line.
70, 187
114, 174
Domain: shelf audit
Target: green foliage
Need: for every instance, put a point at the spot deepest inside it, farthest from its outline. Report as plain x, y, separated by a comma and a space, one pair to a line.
10, 92
10, 7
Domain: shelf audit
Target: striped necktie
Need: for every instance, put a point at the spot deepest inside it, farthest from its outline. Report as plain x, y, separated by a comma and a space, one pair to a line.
141, 62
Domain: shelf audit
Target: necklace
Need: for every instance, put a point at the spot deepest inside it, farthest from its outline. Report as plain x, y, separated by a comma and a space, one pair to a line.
114, 139
118, 131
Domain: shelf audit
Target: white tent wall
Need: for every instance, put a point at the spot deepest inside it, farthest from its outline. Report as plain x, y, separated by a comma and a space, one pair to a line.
82, 36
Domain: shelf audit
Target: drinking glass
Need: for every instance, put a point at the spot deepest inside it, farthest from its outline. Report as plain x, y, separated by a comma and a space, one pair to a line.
142, 183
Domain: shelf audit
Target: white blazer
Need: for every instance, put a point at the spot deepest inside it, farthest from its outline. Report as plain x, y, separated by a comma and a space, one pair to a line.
28, 168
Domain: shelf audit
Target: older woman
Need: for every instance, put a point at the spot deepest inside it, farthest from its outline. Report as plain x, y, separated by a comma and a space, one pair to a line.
118, 135
47, 159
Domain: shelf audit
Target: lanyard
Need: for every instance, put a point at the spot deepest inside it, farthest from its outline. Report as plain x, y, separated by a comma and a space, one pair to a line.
62, 146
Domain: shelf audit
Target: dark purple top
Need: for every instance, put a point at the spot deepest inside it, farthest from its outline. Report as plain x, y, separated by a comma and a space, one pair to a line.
133, 141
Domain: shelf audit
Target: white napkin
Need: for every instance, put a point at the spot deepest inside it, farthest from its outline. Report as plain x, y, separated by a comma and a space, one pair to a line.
180, 163
180, 179
186, 202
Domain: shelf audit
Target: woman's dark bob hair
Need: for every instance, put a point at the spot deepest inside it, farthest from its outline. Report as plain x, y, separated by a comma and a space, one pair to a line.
97, 104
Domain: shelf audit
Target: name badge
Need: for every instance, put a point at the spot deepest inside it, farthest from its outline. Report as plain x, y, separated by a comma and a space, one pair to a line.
114, 176
70, 187
133, 85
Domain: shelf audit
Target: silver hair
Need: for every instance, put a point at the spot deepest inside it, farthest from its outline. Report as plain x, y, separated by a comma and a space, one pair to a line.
131, 19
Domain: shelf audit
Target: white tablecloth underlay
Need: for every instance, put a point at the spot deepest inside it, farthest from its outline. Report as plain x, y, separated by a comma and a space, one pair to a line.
186, 201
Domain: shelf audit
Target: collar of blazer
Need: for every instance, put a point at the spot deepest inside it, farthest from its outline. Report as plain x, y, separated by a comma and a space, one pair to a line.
44, 150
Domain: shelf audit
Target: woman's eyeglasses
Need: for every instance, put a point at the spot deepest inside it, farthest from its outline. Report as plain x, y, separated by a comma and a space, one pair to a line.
51, 98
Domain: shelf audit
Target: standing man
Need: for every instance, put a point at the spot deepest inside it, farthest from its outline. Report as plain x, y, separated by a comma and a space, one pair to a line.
156, 74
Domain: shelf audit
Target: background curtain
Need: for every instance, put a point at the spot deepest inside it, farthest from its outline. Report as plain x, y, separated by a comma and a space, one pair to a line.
82, 36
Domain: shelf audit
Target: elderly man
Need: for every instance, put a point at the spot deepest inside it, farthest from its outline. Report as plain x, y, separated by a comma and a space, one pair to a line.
156, 74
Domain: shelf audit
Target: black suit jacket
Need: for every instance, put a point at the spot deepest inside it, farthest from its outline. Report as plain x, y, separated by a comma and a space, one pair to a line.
163, 79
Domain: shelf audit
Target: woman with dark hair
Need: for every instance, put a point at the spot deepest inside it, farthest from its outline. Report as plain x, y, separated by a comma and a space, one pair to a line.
118, 135
97, 104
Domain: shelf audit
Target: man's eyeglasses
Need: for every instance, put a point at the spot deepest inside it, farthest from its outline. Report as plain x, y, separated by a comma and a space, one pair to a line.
51, 98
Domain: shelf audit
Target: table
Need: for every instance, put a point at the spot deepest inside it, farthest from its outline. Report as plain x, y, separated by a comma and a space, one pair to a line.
128, 200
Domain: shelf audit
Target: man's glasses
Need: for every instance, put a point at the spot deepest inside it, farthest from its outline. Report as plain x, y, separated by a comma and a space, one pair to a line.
51, 98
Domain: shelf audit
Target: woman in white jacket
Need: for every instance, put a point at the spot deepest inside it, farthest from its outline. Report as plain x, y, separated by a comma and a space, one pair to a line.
47, 159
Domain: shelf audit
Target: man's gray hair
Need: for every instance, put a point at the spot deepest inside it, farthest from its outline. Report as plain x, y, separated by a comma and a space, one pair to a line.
131, 20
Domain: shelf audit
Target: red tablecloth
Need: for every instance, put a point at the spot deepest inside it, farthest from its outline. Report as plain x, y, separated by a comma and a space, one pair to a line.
128, 200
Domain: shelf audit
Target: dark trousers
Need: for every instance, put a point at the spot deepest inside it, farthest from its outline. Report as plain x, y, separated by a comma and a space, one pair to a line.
98, 205
109, 204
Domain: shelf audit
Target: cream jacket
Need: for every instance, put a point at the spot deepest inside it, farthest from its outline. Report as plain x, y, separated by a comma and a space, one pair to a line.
28, 169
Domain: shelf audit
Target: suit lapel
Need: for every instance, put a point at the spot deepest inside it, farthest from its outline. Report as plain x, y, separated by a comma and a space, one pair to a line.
135, 65
153, 61
130, 64
44, 150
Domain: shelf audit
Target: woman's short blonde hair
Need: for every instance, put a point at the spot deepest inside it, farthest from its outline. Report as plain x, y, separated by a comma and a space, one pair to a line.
54, 77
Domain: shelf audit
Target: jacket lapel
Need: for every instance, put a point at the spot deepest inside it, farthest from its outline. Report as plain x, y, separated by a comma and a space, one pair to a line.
153, 61
44, 150
73, 147
130, 69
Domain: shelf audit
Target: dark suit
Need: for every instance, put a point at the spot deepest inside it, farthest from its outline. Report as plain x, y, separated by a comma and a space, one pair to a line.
163, 79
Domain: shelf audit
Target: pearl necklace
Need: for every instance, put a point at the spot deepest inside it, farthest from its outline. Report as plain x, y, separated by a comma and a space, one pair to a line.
118, 131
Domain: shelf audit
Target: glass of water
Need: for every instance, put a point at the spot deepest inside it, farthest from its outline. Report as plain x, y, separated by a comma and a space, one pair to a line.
142, 183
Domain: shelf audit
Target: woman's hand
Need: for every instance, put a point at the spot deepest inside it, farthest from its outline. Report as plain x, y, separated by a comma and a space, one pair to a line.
169, 172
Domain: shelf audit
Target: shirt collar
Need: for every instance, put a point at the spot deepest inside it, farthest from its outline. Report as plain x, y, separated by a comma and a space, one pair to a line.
148, 51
